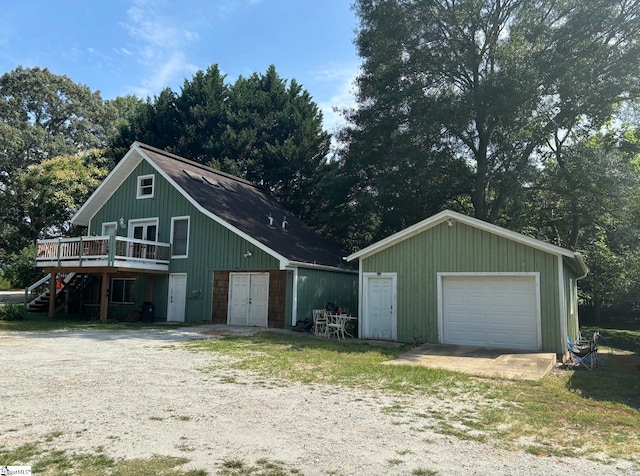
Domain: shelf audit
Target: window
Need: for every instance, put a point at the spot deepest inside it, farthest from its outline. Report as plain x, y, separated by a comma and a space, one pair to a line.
109, 229
179, 237
123, 291
145, 186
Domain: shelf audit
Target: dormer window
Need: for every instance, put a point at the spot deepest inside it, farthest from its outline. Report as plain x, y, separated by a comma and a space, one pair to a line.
145, 186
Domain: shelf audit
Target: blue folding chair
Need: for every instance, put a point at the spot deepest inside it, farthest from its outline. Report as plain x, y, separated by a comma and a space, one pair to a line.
584, 352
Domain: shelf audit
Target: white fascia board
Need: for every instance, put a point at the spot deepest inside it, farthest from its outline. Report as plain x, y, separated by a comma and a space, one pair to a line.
107, 188
458, 217
323, 267
283, 261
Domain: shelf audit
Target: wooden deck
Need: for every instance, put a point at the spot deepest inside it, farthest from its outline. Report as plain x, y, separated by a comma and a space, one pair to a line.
95, 252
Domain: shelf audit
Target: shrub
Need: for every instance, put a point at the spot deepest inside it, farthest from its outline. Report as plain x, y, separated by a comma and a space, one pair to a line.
12, 312
20, 268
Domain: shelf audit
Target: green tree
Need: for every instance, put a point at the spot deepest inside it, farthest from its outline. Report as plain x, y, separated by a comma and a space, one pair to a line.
483, 85
56, 188
20, 268
274, 137
262, 128
42, 115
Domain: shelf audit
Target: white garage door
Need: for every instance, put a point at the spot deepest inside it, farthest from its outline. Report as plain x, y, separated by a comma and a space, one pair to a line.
490, 311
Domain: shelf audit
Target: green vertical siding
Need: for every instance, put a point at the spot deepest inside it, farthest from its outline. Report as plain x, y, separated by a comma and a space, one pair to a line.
461, 248
318, 287
571, 300
211, 245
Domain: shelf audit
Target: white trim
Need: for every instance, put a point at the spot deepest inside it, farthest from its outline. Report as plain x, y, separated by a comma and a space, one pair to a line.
107, 187
173, 220
139, 194
136, 221
564, 345
109, 223
394, 303
440, 290
322, 267
294, 310
123, 170
283, 261
360, 298
453, 217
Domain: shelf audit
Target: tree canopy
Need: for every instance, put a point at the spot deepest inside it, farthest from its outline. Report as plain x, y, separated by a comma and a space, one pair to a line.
480, 90
262, 127
42, 116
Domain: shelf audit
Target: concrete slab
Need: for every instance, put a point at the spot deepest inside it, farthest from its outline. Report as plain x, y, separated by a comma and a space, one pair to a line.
480, 361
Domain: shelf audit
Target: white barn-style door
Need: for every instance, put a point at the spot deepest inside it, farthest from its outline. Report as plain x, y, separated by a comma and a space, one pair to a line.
248, 299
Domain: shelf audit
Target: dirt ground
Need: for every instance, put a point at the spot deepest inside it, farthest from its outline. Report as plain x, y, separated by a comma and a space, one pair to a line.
140, 393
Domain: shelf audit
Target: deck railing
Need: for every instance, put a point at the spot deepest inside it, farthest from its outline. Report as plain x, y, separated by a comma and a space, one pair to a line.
93, 251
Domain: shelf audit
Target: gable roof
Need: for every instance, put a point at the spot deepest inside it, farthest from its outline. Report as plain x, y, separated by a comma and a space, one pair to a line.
236, 204
574, 258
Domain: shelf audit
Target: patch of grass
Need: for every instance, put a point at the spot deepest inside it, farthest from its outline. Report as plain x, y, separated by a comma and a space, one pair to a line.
262, 467
21, 455
52, 436
44, 460
354, 364
547, 417
394, 461
423, 472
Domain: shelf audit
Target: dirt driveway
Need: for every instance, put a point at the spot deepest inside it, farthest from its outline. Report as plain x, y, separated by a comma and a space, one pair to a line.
140, 393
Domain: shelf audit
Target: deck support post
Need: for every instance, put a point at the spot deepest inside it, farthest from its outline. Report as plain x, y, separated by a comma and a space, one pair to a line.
104, 297
149, 288
52, 294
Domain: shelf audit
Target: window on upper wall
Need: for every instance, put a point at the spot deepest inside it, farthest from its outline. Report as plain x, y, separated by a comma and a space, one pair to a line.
179, 237
109, 229
123, 291
145, 186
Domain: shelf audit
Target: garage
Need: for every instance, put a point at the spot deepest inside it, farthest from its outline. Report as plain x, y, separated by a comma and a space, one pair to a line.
463, 281
490, 311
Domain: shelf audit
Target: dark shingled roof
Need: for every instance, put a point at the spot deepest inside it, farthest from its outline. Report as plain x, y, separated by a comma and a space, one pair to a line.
247, 207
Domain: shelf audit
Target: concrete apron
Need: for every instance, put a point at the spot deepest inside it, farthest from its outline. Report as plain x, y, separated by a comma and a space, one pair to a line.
480, 361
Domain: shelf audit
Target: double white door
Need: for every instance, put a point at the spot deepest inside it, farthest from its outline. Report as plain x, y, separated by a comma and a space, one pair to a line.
248, 299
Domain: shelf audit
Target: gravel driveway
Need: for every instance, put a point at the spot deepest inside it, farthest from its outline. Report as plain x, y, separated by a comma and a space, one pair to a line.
139, 393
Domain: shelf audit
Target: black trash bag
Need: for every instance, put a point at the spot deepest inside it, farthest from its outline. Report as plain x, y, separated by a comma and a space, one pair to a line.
331, 307
304, 325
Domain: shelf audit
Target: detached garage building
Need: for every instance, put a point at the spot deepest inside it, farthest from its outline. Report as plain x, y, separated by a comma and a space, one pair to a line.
453, 279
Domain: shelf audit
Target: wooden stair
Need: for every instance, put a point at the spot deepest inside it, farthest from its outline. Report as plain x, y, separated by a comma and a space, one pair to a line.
72, 282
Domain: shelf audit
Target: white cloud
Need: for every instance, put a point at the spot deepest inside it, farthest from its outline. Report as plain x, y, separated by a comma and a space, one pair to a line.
342, 82
159, 45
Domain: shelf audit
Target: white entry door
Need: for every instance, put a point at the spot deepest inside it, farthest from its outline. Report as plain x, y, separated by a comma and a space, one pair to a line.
248, 299
177, 297
379, 307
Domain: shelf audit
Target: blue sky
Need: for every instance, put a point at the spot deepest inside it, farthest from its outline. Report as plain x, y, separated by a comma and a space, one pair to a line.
142, 46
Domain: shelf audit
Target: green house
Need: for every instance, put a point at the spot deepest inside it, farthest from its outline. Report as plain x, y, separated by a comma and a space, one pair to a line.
453, 279
183, 242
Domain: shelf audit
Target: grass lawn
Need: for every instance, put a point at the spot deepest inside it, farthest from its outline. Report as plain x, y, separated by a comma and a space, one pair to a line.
39, 322
568, 413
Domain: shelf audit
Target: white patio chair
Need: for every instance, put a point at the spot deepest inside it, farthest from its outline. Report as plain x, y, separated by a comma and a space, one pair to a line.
320, 321
335, 326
